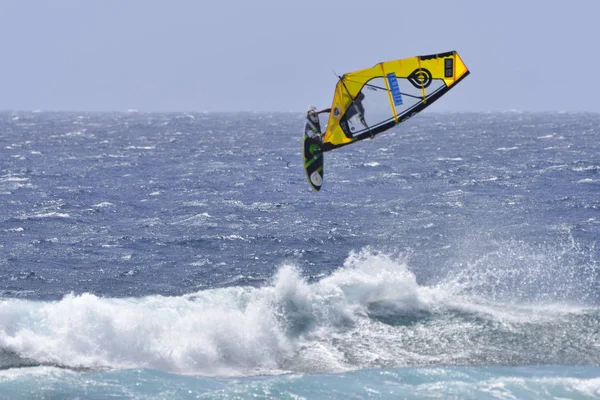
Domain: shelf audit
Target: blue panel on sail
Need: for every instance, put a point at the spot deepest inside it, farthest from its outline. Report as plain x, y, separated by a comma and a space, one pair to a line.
393, 82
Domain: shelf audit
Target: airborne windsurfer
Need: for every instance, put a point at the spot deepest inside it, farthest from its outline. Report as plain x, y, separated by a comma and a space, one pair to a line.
390, 92
313, 126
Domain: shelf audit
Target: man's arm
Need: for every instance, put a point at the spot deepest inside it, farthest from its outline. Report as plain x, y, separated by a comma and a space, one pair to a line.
326, 110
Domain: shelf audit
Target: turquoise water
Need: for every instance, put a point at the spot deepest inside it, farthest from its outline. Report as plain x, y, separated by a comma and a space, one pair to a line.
402, 383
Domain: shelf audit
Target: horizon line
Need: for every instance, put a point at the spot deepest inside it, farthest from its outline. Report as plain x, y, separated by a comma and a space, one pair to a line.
137, 111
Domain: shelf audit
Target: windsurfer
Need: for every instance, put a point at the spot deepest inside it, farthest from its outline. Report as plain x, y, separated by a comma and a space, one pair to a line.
313, 126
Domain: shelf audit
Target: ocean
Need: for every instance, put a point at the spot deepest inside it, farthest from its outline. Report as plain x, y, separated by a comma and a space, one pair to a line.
184, 256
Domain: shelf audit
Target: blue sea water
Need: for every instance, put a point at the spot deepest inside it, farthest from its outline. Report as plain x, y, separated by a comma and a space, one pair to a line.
184, 255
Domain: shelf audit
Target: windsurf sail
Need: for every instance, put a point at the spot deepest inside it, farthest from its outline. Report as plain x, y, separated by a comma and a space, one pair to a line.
373, 100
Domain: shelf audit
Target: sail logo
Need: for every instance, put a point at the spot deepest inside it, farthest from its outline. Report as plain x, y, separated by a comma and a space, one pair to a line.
420, 78
449, 68
316, 179
395, 88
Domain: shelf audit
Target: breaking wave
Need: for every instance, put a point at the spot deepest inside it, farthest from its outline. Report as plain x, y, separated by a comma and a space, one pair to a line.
371, 312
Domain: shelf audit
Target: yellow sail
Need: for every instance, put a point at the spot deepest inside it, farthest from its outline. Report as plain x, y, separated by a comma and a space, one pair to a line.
373, 100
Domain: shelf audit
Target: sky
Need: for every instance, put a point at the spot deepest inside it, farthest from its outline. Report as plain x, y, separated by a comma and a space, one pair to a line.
282, 55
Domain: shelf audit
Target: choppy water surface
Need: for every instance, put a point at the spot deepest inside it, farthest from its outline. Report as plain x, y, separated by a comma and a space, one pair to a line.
184, 255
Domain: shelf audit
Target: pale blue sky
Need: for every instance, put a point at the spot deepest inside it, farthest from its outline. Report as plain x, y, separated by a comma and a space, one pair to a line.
279, 55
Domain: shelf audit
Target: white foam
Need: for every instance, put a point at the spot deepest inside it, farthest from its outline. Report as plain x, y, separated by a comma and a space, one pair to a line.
289, 324
13, 179
367, 278
588, 168
194, 203
14, 182
218, 331
450, 159
42, 215
510, 387
13, 374
588, 180
195, 220
103, 204
543, 385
